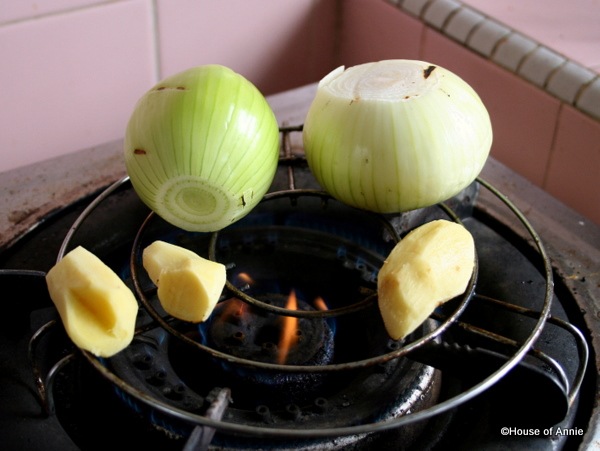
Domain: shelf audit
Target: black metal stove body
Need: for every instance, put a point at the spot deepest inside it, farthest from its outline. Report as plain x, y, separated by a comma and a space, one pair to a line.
90, 410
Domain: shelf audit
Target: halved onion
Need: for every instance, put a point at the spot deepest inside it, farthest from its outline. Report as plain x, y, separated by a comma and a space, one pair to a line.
396, 135
201, 148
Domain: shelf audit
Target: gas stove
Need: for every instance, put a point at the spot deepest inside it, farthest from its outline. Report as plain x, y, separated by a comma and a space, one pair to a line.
511, 363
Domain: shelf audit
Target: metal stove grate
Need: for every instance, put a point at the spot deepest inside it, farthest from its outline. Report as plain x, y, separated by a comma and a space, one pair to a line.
206, 425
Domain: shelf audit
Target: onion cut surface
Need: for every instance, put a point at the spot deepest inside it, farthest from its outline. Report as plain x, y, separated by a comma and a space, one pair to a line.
396, 135
201, 148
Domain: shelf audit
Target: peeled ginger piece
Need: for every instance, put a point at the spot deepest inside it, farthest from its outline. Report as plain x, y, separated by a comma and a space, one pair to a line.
429, 266
189, 286
97, 309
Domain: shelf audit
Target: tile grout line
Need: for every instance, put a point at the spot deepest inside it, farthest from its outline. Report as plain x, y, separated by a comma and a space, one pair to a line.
156, 41
553, 72
524, 59
582, 88
552, 149
449, 17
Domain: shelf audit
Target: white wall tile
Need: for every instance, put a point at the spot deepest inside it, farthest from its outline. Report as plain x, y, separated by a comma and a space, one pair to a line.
462, 24
512, 50
539, 64
486, 36
568, 80
438, 12
414, 7
589, 99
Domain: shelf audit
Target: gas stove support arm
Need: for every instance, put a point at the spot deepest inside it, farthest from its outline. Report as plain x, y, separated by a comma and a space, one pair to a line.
582, 346
44, 385
201, 436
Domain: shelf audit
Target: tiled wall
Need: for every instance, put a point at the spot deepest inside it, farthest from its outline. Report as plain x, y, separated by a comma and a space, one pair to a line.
72, 70
541, 129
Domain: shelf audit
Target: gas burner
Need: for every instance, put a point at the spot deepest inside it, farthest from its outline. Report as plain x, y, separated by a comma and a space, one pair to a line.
295, 355
247, 332
300, 265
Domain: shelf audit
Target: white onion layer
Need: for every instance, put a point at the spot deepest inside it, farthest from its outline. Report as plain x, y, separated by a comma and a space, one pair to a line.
396, 135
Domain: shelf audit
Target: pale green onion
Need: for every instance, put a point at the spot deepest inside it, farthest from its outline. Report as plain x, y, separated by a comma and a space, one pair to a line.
201, 148
396, 135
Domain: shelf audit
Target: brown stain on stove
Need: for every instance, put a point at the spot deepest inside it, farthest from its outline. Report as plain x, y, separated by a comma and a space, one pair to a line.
22, 221
29, 216
18, 216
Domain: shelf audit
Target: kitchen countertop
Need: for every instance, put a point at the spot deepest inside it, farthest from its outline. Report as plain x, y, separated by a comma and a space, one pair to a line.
33, 192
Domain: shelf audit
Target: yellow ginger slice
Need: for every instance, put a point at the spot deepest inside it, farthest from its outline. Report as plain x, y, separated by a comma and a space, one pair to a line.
189, 285
97, 309
429, 266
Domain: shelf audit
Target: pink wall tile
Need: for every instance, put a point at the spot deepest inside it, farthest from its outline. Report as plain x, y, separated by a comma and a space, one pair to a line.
26, 9
375, 30
276, 45
574, 170
70, 81
523, 116
568, 27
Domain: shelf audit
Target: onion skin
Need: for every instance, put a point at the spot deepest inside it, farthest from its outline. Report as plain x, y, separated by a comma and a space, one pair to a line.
396, 135
201, 148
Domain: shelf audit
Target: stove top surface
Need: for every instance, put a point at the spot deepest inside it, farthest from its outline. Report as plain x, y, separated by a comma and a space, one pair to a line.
477, 423
572, 243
